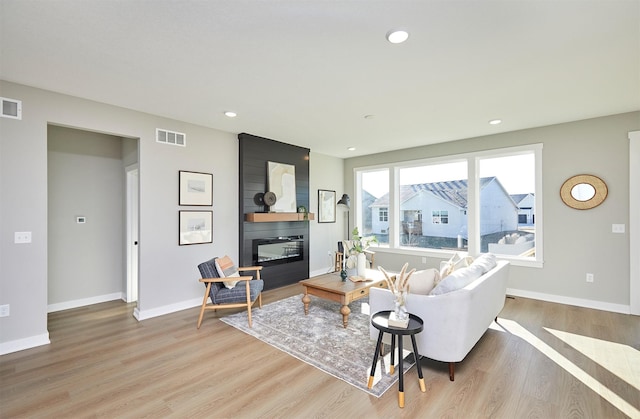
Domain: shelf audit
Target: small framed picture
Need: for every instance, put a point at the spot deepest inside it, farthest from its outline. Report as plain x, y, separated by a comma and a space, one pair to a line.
195, 188
196, 227
326, 206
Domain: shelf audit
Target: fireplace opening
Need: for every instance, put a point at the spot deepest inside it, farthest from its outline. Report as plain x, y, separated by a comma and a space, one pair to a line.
278, 250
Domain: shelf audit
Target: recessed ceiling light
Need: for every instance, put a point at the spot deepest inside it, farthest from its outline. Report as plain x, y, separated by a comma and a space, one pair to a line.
397, 36
495, 121
231, 114
351, 149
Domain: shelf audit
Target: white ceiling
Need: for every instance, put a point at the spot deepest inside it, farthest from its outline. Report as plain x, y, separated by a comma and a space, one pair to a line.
306, 72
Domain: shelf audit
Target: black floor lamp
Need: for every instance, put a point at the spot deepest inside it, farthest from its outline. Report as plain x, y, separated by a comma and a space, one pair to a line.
345, 203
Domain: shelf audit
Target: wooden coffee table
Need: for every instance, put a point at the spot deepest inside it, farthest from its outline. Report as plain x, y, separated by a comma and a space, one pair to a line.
331, 287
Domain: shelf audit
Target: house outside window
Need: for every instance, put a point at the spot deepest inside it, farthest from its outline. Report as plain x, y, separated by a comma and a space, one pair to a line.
480, 202
373, 219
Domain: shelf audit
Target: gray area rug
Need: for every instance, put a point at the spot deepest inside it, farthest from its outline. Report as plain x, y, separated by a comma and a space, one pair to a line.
319, 339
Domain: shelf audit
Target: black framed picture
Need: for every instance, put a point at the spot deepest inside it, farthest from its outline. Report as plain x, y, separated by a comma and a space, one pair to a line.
196, 227
195, 188
326, 206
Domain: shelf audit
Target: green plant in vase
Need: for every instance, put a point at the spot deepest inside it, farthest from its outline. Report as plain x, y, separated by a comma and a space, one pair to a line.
356, 248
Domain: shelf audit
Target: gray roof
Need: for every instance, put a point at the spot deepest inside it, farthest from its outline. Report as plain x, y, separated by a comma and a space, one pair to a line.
454, 191
519, 197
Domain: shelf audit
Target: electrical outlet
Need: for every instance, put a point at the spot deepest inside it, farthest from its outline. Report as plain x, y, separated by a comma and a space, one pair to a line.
589, 277
4, 310
21, 237
617, 228
424, 260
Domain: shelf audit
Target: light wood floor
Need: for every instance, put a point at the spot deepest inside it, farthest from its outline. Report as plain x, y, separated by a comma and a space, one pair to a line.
545, 361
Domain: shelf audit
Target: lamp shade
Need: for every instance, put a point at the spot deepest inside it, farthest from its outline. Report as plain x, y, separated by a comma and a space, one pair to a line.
345, 201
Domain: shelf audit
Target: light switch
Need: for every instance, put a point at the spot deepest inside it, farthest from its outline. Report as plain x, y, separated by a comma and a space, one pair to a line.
22, 237
617, 228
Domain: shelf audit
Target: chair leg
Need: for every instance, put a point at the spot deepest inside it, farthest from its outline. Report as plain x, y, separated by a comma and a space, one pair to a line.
451, 368
260, 300
204, 304
248, 302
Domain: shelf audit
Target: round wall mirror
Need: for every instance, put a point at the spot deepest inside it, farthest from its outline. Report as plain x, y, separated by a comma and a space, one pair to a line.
583, 191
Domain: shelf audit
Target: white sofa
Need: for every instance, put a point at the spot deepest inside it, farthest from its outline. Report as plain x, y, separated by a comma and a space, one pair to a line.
454, 321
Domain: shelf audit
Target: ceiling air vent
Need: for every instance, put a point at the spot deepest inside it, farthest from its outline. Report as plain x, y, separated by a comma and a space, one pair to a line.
11, 108
171, 137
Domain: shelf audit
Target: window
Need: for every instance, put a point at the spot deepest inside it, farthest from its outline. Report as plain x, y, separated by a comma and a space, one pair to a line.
437, 189
440, 217
507, 198
372, 216
482, 202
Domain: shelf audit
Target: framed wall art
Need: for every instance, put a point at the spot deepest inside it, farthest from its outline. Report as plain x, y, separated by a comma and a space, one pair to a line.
196, 227
195, 188
326, 206
282, 182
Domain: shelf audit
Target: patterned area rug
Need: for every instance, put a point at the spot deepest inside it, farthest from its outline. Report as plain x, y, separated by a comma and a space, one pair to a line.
320, 340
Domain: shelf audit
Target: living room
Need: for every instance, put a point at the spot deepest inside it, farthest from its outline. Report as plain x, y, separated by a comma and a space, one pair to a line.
575, 242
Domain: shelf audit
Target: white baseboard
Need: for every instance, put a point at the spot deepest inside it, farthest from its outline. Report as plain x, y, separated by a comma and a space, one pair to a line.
85, 302
578, 302
168, 309
22, 344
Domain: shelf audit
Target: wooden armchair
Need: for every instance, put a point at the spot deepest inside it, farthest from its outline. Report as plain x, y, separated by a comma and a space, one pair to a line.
339, 258
226, 288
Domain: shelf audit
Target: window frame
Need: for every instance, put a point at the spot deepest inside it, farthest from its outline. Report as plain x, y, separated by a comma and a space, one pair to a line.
473, 210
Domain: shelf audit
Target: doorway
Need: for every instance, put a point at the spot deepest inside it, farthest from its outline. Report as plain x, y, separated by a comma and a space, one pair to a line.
89, 174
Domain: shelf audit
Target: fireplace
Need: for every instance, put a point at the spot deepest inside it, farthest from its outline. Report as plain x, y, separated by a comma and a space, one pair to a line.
278, 250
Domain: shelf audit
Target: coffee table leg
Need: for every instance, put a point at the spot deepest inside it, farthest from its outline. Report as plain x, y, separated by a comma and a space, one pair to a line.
419, 368
345, 311
306, 300
400, 374
375, 359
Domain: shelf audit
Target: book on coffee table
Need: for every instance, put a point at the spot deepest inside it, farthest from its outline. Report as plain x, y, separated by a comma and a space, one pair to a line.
359, 279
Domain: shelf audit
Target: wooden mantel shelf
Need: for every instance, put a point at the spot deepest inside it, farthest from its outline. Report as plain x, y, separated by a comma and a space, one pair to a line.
271, 217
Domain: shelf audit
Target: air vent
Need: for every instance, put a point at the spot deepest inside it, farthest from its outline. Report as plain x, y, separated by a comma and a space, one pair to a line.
171, 137
11, 108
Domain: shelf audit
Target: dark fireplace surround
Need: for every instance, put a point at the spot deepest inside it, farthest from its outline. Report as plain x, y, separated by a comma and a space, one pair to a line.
284, 244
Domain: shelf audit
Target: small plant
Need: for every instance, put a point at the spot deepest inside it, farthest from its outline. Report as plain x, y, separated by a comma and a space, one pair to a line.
359, 243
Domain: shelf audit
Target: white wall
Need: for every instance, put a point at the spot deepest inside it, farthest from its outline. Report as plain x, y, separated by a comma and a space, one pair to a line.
575, 242
168, 272
325, 172
85, 178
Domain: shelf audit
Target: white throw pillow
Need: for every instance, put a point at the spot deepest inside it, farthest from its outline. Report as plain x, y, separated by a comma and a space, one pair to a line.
457, 279
422, 282
486, 261
456, 262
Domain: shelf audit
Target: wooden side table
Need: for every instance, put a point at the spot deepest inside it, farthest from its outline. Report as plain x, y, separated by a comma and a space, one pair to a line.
380, 322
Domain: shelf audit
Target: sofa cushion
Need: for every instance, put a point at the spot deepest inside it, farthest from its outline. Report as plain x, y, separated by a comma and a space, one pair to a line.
458, 279
422, 282
486, 261
226, 268
457, 261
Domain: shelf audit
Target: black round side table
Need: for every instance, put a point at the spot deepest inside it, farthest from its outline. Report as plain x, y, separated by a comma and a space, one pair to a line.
380, 321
